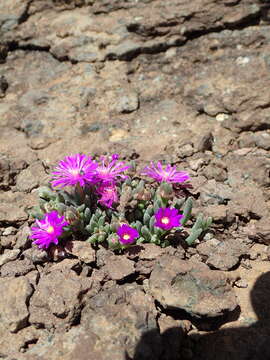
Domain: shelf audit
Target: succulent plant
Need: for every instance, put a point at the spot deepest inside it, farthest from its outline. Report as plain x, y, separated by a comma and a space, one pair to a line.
138, 204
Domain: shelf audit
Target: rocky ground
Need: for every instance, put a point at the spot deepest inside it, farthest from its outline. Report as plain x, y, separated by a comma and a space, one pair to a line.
182, 81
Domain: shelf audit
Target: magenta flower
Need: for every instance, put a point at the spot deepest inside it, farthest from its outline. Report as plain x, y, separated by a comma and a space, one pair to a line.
48, 229
75, 169
127, 234
167, 218
108, 192
110, 171
168, 174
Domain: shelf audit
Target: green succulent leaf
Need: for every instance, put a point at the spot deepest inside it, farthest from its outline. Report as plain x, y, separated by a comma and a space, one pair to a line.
101, 220
36, 212
198, 223
146, 233
209, 222
101, 237
146, 218
106, 228
193, 236
140, 240
150, 210
93, 239
187, 211
87, 215
179, 203
81, 208
151, 223
46, 193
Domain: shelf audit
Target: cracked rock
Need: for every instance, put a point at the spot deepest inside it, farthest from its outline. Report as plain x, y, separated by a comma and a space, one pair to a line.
118, 267
16, 294
183, 285
57, 300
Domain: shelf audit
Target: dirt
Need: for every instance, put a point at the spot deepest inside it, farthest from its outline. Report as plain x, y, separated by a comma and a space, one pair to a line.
186, 82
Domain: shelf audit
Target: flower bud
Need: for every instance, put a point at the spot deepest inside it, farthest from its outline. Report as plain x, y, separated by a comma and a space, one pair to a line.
72, 216
166, 191
113, 241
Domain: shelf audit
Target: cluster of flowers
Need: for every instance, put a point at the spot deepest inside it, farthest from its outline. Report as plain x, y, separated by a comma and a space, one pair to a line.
103, 177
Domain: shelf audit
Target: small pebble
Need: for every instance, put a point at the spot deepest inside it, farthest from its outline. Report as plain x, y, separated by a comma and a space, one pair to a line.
242, 284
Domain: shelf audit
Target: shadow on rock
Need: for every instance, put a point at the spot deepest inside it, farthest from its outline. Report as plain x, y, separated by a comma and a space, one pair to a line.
250, 342
153, 346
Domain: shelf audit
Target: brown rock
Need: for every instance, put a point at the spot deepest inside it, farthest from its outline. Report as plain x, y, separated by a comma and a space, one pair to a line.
14, 311
248, 202
150, 252
120, 313
145, 267
82, 250
30, 178
22, 238
227, 254
213, 192
58, 299
17, 268
191, 287
12, 345
36, 255
8, 255
10, 213
260, 231
118, 267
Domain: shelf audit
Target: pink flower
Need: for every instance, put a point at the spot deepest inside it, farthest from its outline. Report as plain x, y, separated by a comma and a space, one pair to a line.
168, 174
48, 229
110, 171
127, 234
74, 169
167, 218
108, 192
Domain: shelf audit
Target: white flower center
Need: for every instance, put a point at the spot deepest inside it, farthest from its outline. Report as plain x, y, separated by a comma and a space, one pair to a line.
74, 172
165, 220
126, 237
50, 229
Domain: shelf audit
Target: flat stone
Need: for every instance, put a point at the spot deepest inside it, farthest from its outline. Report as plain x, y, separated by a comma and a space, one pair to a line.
227, 254
14, 311
17, 268
58, 299
8, 255
118, 267
191, 287
150, 252
82, 250
28, 179
36, 255
11, 213
22, 238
